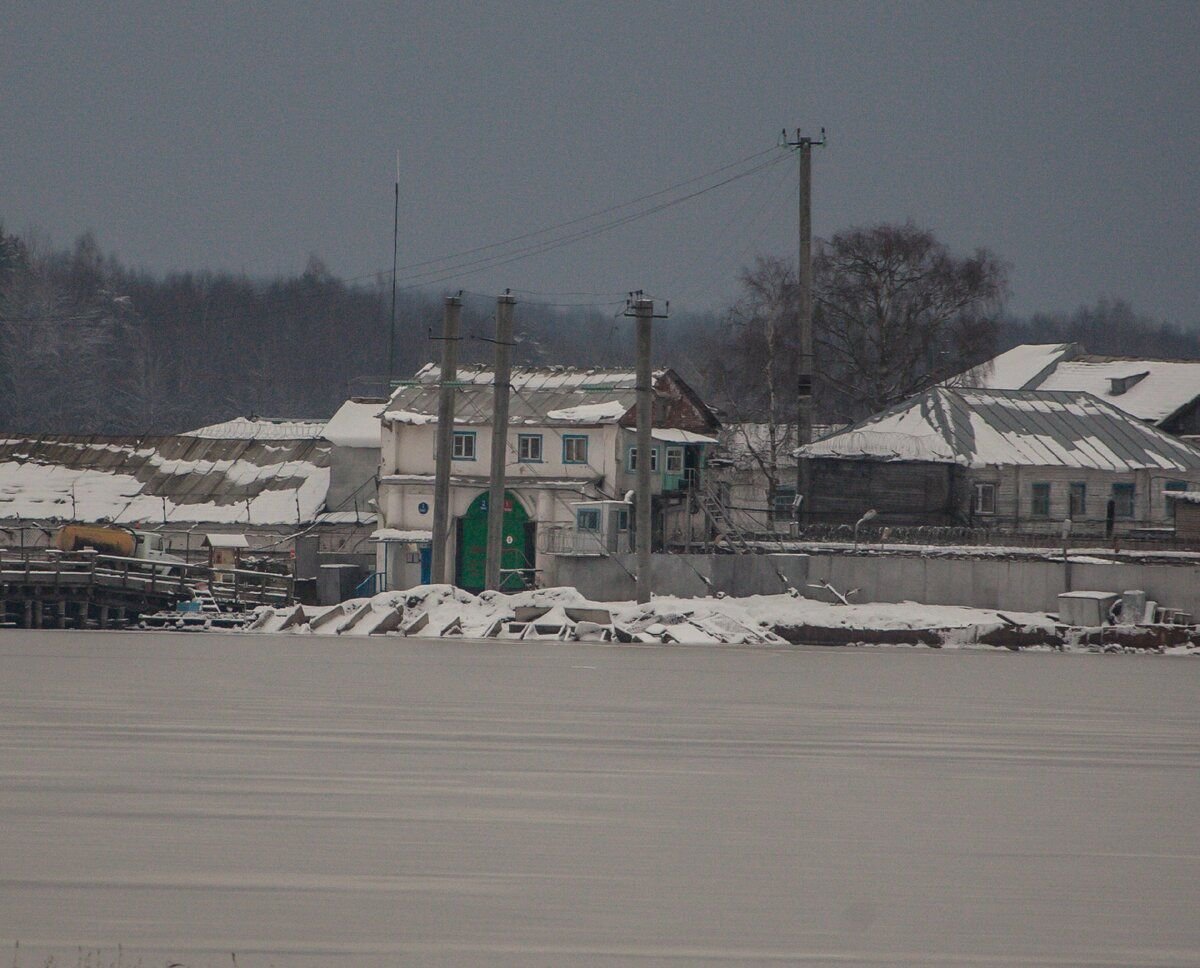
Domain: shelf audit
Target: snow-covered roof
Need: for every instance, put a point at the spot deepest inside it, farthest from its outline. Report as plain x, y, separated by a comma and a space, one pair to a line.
260, 428
672, 436
1162, 386
1020, 368
182, 479
1188, 497
540, 395
977, 428
233, 541
1150, 390
356, 423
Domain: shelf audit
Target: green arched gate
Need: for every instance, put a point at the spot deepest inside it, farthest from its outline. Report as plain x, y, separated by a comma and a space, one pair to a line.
471, 565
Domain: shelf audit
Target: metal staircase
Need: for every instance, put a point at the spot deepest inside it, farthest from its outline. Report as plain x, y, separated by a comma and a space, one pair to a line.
717, 514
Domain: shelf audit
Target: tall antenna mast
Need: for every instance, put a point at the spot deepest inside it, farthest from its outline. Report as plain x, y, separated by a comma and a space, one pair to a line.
391, 369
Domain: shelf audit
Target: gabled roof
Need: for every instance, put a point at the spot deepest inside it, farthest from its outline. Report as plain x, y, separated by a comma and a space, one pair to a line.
1021, 368
260, 428
1166, 387
540, 395
356, 423
183, 479
977, 428
1161, 389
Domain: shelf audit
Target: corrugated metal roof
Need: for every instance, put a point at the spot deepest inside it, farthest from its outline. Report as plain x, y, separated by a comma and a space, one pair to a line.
1040, 428
1159, 388
184, 478
552, 394
260, 428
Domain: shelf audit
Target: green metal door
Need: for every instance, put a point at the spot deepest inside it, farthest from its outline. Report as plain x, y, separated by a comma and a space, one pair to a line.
472, 545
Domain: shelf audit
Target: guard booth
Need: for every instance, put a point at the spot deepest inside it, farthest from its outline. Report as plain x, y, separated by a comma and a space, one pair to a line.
602, 527
225, 550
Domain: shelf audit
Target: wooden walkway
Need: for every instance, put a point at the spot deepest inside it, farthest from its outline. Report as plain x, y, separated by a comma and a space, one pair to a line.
50, 589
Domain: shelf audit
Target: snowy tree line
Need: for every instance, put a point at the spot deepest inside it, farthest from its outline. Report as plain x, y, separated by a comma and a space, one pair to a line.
90, 345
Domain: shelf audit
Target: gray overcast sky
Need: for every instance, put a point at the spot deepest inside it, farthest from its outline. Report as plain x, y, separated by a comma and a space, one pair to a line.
203, 135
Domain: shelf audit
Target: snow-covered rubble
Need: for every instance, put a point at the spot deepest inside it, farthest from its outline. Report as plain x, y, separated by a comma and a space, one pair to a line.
434, 611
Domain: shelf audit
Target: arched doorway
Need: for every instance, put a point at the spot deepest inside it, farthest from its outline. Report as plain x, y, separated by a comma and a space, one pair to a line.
471, 565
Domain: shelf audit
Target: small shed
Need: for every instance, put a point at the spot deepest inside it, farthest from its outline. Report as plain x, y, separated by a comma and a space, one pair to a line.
225, 550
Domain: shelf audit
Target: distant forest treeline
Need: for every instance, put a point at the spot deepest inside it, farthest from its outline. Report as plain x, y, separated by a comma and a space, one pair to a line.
88, 345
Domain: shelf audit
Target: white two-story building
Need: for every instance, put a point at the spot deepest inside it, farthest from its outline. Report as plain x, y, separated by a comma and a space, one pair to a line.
571, 439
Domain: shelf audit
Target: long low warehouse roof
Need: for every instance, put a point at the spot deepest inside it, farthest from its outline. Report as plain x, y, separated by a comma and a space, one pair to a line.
157, 479
978, 428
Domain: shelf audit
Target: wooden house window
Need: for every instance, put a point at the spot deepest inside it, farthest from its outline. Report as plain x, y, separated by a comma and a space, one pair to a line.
529, 448
1078, 500
464, 445
633, 459
575, 448
1039, 505
1122, 495
985, 498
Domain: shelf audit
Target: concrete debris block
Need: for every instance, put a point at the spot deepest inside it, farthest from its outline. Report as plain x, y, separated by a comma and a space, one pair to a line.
416, 625
594, 632
278, 619
327, 622
262, 616
688, 633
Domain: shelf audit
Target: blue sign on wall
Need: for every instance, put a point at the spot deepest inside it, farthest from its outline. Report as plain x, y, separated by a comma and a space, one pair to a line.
423, 507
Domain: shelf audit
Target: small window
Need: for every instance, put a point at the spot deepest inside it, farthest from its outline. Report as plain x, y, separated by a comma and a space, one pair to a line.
464, 445
587, 519
985, 498
1176, 486
1078, 500
622, 520
529, 448
575, 449
633, 459
674, 460
1039, 506
784, 498
1122, 495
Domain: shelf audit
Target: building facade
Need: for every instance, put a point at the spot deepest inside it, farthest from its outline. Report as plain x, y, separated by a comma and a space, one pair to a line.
570, 439
1021, 461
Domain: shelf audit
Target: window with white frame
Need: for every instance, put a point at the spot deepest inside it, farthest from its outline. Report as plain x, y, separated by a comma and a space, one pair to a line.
674, 460
464, 445
985, 497
575, 449
633, 459
529, 448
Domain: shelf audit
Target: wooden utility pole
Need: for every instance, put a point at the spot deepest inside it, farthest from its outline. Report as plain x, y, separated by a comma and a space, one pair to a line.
804, 376
643, 311
502, 378
452, 313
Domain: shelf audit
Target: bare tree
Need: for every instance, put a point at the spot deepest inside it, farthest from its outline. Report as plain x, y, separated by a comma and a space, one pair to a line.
753, 369
896, 312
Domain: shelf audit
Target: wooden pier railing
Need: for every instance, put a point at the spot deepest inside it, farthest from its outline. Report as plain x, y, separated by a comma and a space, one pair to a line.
48, 588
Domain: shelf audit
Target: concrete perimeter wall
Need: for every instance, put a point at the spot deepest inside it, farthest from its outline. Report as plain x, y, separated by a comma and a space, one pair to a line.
1022, 586
611, 579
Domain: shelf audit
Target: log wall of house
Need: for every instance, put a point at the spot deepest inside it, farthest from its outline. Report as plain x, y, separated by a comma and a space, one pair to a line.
1187, 520
901, 492
1014, 498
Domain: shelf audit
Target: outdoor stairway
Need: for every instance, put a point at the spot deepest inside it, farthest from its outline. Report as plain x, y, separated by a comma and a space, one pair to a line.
728, 533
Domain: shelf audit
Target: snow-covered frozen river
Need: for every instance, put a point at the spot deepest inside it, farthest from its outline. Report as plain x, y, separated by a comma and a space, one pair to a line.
301, 801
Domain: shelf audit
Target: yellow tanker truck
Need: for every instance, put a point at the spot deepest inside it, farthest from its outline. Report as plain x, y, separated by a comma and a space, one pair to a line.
113, 539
